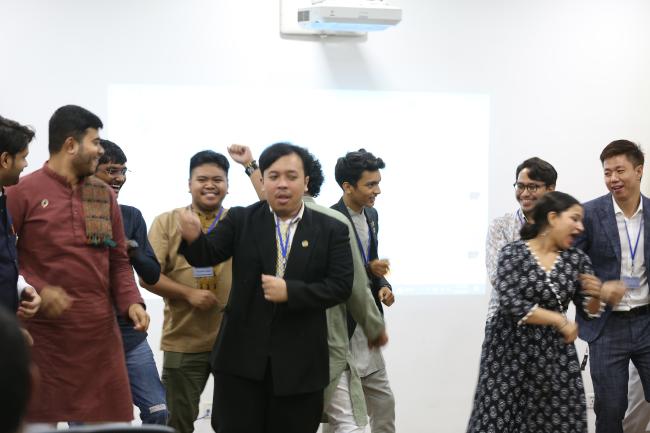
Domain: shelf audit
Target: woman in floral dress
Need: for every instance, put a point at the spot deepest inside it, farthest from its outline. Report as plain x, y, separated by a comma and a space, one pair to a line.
530, 379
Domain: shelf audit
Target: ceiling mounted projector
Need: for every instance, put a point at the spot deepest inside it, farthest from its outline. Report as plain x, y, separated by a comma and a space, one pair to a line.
351, 16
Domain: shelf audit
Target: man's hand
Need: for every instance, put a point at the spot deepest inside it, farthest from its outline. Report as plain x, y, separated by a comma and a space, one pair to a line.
612, 292
380, 341
54, 301
379, 268
275, 289
30, 302
386, 296
189, 225
201, 299
240, 153
139, 316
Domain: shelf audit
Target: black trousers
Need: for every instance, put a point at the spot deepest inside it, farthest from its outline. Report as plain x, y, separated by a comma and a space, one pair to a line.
242, 405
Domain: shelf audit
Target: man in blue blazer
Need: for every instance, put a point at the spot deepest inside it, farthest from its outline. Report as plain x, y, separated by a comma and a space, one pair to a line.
618, 245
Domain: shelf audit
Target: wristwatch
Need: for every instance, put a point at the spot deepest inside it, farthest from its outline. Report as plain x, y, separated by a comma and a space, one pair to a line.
250, 167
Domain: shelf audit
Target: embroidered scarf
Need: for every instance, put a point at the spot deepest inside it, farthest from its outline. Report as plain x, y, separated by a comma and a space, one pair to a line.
96, 200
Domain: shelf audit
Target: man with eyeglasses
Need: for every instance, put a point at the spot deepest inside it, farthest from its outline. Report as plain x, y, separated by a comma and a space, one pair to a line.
147, 390
534, 178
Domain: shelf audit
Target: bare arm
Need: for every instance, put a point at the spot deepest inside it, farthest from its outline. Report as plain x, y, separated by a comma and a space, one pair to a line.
243, 155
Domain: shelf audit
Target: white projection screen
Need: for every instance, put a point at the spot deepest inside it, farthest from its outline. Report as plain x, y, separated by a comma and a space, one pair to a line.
433, 206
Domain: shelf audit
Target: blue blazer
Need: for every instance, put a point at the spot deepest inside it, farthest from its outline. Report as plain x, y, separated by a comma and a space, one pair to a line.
601, 242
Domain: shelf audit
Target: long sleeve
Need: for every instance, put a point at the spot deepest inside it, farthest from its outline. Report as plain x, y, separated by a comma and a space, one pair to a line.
336, 287
215, 247
123, 287
143, 258
509, 284
361, 304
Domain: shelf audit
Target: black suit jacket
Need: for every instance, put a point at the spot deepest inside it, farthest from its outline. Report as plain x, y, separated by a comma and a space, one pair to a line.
292, 335
376, 283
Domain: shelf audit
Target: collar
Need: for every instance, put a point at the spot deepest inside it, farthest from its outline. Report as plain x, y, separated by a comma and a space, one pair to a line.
56, 176
618, 210
355, 213
296, 218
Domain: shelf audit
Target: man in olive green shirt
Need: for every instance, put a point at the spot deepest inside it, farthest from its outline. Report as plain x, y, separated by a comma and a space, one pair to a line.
194, 297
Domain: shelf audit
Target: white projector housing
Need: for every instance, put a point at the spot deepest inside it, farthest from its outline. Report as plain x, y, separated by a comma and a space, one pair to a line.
362, 17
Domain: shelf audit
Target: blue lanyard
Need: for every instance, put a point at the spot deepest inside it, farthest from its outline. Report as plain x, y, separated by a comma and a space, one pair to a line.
522, 219
629, 241
365, 255
284, 245
216, 220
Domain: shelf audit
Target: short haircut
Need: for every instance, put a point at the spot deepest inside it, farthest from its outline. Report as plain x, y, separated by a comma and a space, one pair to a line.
209, 157
278, 150
631, 150
538, 170
14, 137
316, 177
70, 121
554, 201
15, 377
350, 167
113, 154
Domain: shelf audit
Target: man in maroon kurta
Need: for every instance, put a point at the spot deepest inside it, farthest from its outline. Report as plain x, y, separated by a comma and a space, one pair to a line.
72, 249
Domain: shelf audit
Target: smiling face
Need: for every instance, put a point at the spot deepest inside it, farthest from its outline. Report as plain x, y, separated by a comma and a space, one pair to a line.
525, 197
208, 186
285, 183
88, 152
113, 174
564, 227
365, 192
12, 166
622, 178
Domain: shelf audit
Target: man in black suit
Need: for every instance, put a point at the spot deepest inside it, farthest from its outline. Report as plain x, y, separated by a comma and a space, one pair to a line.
290, 264
357, 173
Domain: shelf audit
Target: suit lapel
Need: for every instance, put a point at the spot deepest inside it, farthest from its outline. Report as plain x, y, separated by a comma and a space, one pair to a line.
608, 223
302, 244
266, 241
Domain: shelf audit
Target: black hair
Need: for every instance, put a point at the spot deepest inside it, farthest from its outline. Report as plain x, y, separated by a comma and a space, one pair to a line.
316, 177
15, 377
113, 154
278, 150
209, 157
538, 170
623, 147
14, 137
70, 121
554, 201
350, 167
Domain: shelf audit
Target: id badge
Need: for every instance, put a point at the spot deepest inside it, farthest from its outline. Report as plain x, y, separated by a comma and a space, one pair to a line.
632, 283
203, 272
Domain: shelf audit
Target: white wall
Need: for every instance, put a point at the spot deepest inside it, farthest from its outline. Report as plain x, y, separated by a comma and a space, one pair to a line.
565, 77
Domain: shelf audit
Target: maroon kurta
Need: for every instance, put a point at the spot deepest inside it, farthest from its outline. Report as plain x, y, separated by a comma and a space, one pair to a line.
79, 354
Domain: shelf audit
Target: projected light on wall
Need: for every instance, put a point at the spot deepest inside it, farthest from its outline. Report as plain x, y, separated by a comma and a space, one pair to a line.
433, 206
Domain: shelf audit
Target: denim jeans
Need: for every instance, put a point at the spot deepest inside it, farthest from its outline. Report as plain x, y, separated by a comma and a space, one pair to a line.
146, 388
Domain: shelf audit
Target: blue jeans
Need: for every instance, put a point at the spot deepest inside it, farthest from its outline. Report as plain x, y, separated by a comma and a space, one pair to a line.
146, 388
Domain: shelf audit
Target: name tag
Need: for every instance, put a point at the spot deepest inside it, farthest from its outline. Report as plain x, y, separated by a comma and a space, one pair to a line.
203, 272
632, 283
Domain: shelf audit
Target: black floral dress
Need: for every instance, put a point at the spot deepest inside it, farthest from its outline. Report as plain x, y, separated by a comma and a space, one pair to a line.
529, 379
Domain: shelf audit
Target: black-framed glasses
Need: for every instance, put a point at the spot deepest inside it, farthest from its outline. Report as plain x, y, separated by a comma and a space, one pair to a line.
112, 171
531, 187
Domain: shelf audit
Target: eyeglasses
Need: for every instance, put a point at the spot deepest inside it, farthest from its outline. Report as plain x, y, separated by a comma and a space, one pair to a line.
112, 171
531, 187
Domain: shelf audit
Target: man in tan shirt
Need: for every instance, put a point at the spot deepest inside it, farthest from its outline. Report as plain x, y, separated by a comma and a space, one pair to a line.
194, 297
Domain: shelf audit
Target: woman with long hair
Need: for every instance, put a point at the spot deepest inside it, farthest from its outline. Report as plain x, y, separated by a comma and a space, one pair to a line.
529, 379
